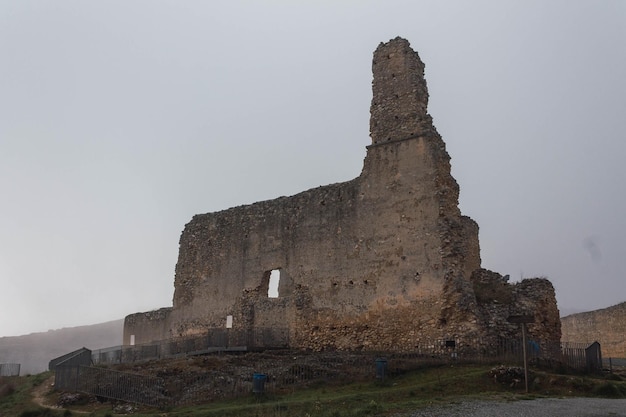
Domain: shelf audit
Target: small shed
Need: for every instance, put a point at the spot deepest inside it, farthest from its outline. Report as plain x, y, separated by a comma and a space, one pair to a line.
78, 357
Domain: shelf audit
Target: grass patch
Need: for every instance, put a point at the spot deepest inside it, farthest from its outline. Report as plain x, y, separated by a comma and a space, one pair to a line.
399, 394
610, 390
407, 392
15, 398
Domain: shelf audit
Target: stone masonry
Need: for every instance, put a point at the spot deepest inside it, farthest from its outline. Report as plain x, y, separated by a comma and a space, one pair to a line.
383, 261
606, 326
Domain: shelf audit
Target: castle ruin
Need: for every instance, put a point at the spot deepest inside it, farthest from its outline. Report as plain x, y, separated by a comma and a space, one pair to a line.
380, 262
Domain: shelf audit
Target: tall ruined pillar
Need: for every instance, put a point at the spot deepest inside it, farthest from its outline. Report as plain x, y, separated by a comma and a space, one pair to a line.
399, 112
409, 157
400, 95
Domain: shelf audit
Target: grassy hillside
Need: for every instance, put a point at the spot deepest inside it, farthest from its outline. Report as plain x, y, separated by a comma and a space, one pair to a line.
29, 396
35, 350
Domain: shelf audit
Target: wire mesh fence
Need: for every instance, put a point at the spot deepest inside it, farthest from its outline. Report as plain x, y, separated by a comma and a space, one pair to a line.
213, 340
10, 369
212, 377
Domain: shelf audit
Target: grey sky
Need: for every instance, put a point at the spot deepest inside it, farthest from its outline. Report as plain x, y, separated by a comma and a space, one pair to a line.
120, 120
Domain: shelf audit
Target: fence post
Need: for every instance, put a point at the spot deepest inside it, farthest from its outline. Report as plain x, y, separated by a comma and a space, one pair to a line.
522, 319
525, 358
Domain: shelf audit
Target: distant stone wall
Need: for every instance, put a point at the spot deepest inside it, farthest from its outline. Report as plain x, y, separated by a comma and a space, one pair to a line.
34, 351
380, 262
146, 327
606, 326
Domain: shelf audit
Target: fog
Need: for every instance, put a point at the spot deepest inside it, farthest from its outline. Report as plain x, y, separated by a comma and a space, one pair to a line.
121, 120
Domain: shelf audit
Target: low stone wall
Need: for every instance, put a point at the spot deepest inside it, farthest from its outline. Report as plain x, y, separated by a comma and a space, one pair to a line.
151, 326
606, 326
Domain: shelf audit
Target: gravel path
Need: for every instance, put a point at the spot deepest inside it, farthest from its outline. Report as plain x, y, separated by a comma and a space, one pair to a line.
551, 407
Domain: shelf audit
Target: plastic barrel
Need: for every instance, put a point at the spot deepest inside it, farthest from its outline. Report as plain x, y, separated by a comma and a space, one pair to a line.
381, 368
258, 383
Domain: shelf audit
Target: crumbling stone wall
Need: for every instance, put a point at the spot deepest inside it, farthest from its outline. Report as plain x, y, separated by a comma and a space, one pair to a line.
497, 300
380, 262
146, 327
606, 326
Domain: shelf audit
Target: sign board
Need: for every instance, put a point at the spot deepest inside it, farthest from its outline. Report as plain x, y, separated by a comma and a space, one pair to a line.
521, 319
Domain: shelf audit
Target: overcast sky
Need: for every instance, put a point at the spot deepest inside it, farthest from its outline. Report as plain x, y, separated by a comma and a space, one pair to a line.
120, 120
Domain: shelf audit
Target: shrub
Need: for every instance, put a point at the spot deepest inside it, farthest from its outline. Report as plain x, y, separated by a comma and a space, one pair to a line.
614, 377
6, 390
610, 390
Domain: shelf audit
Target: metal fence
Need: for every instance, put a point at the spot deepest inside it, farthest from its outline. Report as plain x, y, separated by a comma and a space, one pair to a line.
177, 387
10, 369
214, 377
214, 340
582, 356
576, 356
108, 383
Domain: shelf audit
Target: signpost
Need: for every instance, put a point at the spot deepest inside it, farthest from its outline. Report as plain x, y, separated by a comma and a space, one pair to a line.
523, 320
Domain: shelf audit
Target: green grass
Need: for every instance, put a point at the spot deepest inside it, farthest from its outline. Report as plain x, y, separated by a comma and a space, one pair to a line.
408, 392
18, 401
401, 394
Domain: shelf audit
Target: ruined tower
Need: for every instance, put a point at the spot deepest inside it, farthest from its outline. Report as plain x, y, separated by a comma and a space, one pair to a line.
400, 96
380, 262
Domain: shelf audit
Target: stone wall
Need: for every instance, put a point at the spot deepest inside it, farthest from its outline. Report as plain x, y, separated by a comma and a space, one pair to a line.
380, 262
497, 300
606, 326
147, 327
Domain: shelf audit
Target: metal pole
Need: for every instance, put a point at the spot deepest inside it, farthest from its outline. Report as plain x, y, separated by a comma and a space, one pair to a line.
524, 351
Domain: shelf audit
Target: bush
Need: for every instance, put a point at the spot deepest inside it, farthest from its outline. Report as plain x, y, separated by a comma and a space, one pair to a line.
610, 390
6, 390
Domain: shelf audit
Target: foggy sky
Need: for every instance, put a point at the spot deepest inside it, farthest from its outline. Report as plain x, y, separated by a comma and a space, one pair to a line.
120, 120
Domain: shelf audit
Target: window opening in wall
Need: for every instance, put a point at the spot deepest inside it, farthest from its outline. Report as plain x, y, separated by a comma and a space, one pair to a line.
132, 340
272, 290
229, 322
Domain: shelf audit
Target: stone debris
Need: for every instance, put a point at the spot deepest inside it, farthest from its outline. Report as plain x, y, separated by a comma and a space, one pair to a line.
507, 375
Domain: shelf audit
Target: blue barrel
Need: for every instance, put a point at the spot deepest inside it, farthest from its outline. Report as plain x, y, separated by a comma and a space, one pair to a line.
258, 383
381, 368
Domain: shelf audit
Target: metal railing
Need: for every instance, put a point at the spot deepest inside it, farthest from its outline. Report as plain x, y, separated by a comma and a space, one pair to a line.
10, 369
213, 340
216, 378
